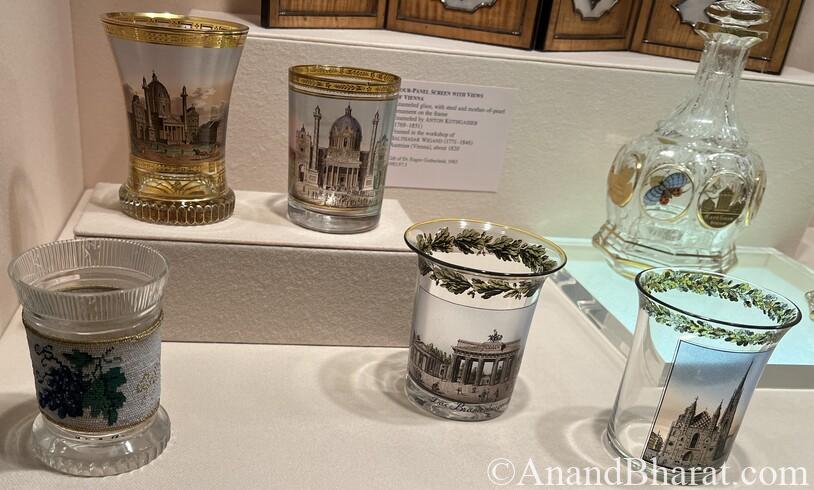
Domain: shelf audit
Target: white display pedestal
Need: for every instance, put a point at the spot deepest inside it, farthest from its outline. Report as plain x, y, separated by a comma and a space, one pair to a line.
258, 278
285, 416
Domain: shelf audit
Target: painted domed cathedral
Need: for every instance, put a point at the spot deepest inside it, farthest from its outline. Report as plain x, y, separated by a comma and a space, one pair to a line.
343, 173
153, 121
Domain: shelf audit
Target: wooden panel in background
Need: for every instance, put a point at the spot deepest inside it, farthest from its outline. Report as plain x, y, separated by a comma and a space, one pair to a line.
504, 22
659, 31
569, 30
331, 14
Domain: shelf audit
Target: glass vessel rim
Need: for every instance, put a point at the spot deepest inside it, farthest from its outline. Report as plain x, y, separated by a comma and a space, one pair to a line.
562, 258
358, 78
164, 270
686, 270
175, 23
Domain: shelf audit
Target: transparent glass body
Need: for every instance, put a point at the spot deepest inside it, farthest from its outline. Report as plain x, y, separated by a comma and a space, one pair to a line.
702, 340
341, 125
681, 195
177, 74
478, 285
92, 311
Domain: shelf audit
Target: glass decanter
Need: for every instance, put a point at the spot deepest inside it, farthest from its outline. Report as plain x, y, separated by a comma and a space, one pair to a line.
680, 195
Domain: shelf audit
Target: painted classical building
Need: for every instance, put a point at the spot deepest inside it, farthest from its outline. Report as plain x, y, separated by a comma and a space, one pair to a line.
430, 359
343, 166
152, 119
474, 372
696, 439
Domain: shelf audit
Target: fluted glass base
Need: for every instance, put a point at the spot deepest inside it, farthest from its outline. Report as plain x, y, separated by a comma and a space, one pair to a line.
88, 454
176, 212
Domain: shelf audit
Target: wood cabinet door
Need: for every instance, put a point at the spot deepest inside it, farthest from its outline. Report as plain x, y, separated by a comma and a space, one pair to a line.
337, 14
504, 22
664, 28
591, 25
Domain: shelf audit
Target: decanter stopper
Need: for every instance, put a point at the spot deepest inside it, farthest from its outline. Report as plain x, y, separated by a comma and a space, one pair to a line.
741, 13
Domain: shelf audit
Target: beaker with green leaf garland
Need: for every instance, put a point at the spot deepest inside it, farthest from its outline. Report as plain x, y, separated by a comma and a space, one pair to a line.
701, 343
478, 285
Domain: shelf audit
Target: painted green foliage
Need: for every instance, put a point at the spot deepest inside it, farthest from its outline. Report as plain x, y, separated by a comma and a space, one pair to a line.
773, 307
81, 382
470, 241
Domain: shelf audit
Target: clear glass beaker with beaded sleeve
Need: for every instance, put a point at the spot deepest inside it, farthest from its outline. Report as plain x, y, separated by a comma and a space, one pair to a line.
92, 314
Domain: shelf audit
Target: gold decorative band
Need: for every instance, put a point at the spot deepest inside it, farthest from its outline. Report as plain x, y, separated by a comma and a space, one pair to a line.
209, 166
129, 338
63, 425
332, 210
344, 79
175, 30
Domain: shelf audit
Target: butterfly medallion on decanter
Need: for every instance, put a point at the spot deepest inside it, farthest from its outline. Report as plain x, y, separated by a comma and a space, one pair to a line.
680, 195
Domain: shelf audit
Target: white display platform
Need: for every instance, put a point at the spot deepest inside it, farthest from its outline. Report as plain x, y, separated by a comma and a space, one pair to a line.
610, 301
267, 416
258, 278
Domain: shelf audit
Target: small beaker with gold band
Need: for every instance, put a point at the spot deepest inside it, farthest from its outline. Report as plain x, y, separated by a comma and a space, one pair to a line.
177, 73
92, 314
340, 129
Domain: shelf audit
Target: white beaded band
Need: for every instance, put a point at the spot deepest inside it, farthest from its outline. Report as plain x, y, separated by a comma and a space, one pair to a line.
97, 386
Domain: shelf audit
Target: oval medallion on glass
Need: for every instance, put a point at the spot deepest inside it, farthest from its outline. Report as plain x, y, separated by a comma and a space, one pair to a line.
722, 200
623, 176
667, 192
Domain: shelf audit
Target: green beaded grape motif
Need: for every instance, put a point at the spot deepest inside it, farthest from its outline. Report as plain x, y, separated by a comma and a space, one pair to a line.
81, 382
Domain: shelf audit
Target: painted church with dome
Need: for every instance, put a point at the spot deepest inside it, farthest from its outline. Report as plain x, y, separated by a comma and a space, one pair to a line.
344, 174
156, 130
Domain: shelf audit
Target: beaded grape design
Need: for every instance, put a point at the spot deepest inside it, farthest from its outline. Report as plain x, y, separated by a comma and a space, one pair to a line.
81, 382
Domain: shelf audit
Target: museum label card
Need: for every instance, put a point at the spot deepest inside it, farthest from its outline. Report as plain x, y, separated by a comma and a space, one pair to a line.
449, 136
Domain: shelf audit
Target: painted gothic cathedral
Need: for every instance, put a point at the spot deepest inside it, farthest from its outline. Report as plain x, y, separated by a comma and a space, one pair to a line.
696, 439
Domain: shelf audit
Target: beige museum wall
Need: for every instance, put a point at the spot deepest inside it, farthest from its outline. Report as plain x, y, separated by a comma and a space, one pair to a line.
801, 51
567, 125
40, 154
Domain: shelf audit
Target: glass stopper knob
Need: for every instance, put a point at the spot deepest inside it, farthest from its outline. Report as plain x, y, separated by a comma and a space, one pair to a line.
741, 13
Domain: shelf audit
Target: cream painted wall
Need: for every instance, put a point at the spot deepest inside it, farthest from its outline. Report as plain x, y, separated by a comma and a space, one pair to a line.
801, 50
567, 126
40, 154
